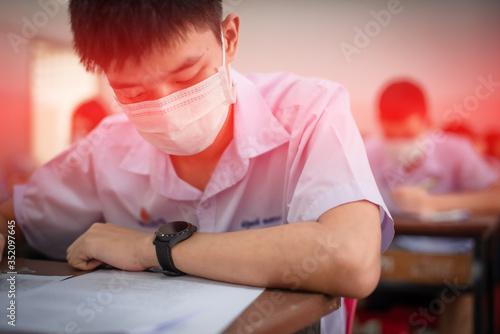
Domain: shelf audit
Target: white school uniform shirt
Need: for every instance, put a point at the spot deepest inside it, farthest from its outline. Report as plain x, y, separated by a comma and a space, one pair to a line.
295, 154
449, 164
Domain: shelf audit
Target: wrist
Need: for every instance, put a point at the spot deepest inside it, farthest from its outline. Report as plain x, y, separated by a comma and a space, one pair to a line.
180, 253
167, 237
147, 252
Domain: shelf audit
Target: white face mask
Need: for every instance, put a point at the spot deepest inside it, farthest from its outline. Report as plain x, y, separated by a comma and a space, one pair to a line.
188, 121
406, 151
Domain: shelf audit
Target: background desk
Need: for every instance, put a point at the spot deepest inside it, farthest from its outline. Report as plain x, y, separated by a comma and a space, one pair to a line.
296, 311
481, 282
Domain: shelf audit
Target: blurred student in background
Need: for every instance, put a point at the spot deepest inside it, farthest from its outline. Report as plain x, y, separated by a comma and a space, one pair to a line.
492, 151
15, 171
420, 171
19, 168
85, 118
466, 132
4, 191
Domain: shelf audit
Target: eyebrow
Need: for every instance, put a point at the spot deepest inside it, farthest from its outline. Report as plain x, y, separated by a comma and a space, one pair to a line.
188, 63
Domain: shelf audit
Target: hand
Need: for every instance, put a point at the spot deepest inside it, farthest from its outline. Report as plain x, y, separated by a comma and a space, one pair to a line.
413, 199
115, 245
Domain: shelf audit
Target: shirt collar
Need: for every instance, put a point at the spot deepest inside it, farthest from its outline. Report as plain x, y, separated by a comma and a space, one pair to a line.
139, 157
256, 129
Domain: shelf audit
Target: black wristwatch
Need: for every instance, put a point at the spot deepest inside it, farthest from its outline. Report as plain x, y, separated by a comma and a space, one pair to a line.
166, 237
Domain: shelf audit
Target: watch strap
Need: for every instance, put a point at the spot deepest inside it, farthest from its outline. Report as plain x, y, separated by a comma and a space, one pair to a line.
164, 255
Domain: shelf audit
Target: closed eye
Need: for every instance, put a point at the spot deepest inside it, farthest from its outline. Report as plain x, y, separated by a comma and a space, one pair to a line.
135, 98
184, 82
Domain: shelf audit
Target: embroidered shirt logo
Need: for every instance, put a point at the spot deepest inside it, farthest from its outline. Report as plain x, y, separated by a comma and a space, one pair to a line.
147, 221
256, 222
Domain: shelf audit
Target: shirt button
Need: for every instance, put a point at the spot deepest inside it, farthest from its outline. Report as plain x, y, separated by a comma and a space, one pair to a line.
205, 205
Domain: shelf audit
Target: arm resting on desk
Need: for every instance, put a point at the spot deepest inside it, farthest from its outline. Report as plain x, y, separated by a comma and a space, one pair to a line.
338, 255
414, 199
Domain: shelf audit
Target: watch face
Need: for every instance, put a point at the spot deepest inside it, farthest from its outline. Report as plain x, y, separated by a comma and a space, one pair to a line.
173, 227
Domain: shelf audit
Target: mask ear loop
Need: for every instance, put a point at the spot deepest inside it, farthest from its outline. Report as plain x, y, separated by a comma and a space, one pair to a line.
223, 46
230, 80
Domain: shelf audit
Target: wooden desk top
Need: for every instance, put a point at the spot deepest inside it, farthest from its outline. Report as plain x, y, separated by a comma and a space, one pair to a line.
274, 311
470, 227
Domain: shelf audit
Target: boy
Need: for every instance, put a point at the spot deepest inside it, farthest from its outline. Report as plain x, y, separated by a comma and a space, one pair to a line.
223, 153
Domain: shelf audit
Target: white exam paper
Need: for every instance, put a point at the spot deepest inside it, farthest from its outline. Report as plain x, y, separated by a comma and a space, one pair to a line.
13, 287
26, 283
115, 301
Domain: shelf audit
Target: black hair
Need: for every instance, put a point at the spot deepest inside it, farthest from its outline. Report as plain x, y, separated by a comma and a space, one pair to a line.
401, 99
107, 31
459, 129
492, 140
90, 110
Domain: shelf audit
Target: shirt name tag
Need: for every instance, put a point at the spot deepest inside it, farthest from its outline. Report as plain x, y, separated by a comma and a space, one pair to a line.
256, 222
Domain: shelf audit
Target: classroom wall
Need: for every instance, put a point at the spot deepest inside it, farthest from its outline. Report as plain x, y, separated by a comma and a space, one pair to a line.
14, 101
449, 46
445, 45
22, 23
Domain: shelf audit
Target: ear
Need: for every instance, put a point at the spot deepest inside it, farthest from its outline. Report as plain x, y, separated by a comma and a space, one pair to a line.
231, 31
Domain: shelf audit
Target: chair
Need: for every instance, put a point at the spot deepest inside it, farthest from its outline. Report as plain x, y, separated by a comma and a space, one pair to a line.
350, 307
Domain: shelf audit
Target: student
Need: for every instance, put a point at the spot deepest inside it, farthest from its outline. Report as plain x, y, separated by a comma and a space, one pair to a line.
17, 170
4, 190
465, 131
270, 168
85, 118
492, 140
421, 171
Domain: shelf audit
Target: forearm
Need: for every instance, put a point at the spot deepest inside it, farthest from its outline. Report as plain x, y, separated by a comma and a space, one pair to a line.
485, 202
303, 256
338, 255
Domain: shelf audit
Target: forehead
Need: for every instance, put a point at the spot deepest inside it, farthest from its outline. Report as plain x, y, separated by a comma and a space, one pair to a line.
194, 43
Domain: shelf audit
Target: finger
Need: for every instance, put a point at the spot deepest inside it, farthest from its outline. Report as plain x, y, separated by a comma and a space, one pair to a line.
78, 255
78, 259
86, 265
71, 248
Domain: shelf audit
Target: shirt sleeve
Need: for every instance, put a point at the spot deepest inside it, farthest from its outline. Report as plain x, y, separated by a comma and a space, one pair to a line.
330, 166
59, 202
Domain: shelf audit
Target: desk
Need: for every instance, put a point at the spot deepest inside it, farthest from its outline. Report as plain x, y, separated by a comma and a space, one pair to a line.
296, 311
483, 230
